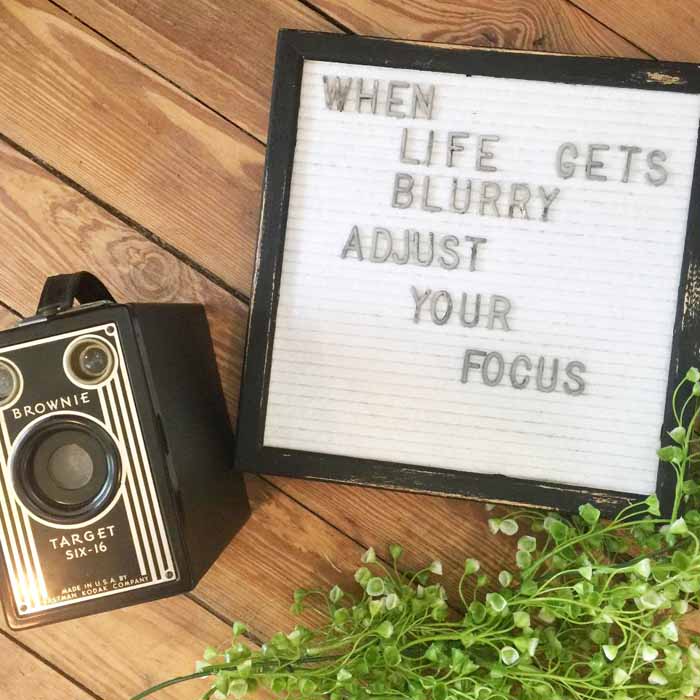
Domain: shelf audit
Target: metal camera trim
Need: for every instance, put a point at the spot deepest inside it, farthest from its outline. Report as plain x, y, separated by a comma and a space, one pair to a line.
14, 398
64, 524
96, 340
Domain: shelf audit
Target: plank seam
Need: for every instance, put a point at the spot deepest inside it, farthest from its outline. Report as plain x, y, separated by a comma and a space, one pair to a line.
328, 17
51, 665
162, 76
609, 28
126, 219
7, 307
222, 618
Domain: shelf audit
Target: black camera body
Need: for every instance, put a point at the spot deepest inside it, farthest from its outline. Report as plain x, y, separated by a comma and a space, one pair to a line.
116, 452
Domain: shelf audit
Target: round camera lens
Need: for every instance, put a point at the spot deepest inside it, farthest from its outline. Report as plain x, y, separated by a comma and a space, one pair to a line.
8, 382
93, 361
71, 467
89, 361
66, 468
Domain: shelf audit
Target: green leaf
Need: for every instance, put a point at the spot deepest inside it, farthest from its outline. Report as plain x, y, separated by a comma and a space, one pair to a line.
670, 453
238, 687
523, 559
509, 656
396, 550
343, 675
556, 528
680, 560
471, 566
496, 602
670, 631
589, 513
505, 578
435, 567
521, 619
610, 651
657, 678
693, 374
643, 568
477, 610
678, 434
649, 654
509, 527
527, 543
307, 687
653, 505
620, 676
362, 575
375, 586
392, 656
336, 593
238, 629
210, 653
678, 527
586, 572
391, 601
385, 629
369, 557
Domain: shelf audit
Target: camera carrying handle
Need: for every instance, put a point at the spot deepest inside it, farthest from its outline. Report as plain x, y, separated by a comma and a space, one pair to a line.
60, 291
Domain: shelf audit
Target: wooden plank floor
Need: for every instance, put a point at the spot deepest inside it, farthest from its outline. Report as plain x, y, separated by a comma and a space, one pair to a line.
132, 138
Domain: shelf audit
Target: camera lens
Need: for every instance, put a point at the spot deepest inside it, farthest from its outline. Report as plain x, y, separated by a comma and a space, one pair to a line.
66, 468
89, 361
10, 382
71, 467
93, 361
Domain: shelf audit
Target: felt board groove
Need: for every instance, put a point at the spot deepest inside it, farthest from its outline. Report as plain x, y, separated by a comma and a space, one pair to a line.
302, 409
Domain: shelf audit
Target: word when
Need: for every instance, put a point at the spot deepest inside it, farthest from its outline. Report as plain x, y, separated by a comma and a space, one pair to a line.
400, 99
519, 200
492, 368
441, 306
41, 407
567, 162
415, 247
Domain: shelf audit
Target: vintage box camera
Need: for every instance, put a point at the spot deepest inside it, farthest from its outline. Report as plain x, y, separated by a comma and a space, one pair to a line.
116, 481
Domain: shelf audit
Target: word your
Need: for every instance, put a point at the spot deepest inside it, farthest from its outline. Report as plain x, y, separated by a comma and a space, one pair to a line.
571, 160
441, 306
413, 246
492, 370
41, 407
400, 99
518, 199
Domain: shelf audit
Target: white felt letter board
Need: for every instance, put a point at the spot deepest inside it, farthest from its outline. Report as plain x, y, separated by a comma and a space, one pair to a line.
473, 272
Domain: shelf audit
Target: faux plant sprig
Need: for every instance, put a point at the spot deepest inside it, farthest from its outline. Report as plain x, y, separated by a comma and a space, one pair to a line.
589, 610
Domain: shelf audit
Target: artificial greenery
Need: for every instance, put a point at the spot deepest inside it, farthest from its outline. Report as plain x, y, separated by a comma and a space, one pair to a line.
589, 610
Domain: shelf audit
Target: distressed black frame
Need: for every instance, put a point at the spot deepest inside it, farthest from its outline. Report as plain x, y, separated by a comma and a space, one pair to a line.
293, 48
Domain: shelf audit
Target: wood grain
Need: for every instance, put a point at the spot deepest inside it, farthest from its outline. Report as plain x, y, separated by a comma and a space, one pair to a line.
541, 25
129, 137
428, 527
49, 228
667, 30
120, 653
22, 675
224, 55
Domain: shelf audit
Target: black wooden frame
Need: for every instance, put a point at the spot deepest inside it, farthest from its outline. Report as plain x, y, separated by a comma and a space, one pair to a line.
293, 48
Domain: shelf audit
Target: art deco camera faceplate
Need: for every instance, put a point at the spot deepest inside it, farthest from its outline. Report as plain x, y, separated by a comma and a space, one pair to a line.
114, 454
